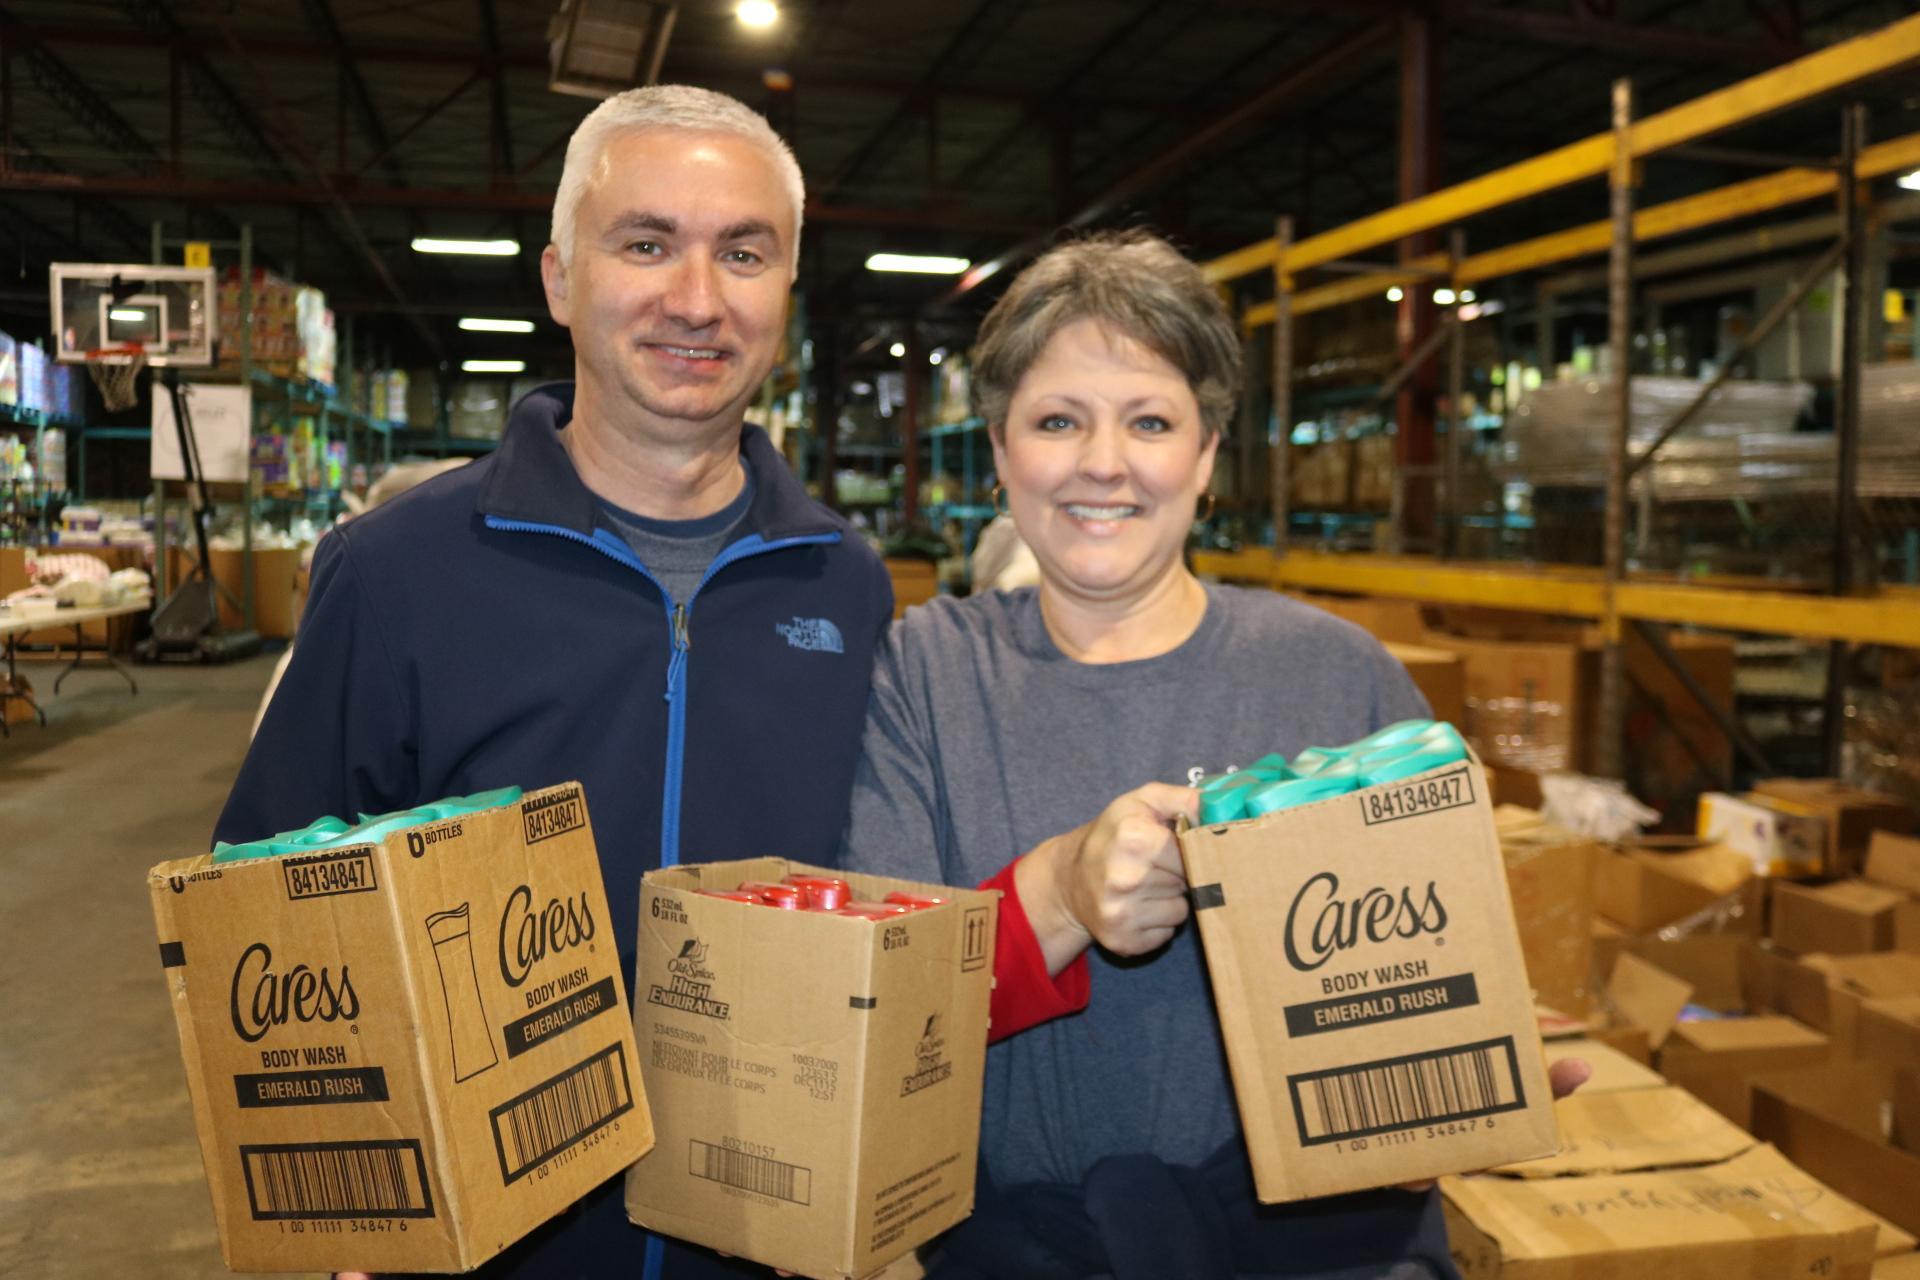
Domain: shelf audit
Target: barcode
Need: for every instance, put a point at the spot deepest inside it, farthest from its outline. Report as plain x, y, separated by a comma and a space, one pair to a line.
790, 1182
533, 1128
1402, 1093
384, 1179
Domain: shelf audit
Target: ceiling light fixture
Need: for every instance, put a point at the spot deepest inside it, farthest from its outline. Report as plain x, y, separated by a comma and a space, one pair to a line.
493, 366
481, 324
127, 315
935, 356
479, 248
1909, 181
1443, 297
923, 264
1395, 294
757, 13
897, 350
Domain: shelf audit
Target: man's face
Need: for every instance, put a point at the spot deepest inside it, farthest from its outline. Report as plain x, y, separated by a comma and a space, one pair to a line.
677, 292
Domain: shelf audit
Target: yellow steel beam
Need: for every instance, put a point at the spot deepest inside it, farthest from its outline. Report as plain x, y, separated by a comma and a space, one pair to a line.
1822, 72
1241, 262
1676, 217
1757, 195
1891, 617
1564, 166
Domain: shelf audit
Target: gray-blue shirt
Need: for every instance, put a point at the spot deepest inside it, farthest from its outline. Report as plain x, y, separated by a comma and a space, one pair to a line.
678, 552
983, 739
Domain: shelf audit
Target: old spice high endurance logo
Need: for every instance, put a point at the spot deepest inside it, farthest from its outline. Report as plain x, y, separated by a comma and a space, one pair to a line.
261, 1000
1321, 924
930, 1065
690, 984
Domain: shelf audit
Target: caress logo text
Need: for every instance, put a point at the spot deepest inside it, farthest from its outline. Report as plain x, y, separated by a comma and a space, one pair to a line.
529, 935
1321, 924
261, 999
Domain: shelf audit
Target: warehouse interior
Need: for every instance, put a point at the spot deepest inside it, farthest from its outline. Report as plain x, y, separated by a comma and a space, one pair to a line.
1582, 344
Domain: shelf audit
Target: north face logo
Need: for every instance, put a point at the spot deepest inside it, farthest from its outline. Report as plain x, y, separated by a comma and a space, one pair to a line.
816, 635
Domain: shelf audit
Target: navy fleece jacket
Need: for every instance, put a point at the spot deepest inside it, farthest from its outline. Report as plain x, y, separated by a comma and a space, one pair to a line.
479, 632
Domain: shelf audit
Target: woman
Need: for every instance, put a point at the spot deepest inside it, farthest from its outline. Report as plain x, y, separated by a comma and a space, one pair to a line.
1000, 724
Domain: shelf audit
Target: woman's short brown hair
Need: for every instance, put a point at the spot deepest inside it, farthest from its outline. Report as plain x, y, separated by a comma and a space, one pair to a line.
1132, 283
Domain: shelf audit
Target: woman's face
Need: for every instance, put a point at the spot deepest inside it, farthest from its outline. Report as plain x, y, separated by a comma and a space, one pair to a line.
1103, 458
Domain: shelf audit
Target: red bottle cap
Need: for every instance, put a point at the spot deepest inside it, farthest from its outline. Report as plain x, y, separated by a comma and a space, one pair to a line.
874, 910
824, 893
785, 896
915, 901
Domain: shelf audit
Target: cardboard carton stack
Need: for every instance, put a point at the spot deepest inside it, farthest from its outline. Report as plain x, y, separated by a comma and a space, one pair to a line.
293, 330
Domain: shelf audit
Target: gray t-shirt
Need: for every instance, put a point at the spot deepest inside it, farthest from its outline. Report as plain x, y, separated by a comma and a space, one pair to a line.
678, 552
983, 739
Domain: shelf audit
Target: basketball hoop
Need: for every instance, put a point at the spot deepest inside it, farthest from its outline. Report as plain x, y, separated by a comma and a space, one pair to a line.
116, 371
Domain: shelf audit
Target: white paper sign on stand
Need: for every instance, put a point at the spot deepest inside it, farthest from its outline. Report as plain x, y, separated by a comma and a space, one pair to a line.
222, 419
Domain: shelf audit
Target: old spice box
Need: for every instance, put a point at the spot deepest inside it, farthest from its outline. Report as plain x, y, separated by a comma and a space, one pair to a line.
1371, 987
816, 1077
404, 1055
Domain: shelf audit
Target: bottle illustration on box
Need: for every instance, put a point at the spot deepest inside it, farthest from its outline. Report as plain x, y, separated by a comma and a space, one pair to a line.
467, 1029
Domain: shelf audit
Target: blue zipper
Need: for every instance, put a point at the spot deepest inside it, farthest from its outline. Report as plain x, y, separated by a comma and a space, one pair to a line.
679, 626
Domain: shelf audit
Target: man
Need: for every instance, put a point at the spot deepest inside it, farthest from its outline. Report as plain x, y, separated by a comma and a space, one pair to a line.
632, 591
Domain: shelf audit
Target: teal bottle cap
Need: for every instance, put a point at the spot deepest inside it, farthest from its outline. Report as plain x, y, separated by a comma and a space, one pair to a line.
1313, 759
330, 832
1275, 763
1294, 792
1392, 767
1344, 769
1233, 778
1403, 731
1228, 802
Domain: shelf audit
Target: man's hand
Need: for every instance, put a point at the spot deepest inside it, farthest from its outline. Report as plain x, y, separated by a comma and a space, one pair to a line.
1565, 1076
1117, 881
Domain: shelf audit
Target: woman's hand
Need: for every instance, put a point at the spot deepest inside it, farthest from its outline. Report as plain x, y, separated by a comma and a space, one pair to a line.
1117, 881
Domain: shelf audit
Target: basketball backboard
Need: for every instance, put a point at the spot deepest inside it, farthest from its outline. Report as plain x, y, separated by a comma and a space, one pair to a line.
170, 311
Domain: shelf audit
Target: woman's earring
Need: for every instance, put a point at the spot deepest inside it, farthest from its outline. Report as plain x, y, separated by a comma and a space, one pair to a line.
999, 493
1212, 502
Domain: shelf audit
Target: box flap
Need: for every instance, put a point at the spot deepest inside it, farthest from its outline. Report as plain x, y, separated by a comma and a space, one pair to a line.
1631, 1130
1854, 895
1891, 973
1767, 1032
1711, 866
1647, 996
1756, 1195
1894, 860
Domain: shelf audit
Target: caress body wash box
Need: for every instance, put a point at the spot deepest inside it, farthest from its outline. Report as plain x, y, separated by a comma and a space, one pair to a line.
1371, 988
406, 1054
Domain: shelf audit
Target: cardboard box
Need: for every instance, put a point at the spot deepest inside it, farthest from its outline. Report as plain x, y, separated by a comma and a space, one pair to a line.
1612, 1069
1717, 1060
1523, 706
1905, 1266
403, 1056
1391, 621
1852, 815
1515, 786
1654, 1185
1646, 888
1550, 881
1779, 842
1906, 1109
816, 1078
1835, 1122
1888, 1030
1826, 992
1440, 676
1894, 861
1906, 926
1846, 917
1363, 947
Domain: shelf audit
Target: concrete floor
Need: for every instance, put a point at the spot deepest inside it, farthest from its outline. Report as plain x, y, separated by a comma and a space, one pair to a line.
99, 1168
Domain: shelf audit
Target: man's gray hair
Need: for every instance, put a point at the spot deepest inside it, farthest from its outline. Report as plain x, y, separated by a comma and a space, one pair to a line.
1131, 283
666, 106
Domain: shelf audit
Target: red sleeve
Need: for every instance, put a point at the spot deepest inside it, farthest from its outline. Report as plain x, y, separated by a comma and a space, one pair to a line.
1023, 995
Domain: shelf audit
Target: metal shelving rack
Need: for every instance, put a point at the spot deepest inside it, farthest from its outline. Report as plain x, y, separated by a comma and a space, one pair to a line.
1841, 615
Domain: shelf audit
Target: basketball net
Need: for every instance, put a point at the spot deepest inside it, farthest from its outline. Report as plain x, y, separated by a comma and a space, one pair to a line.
116, 371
